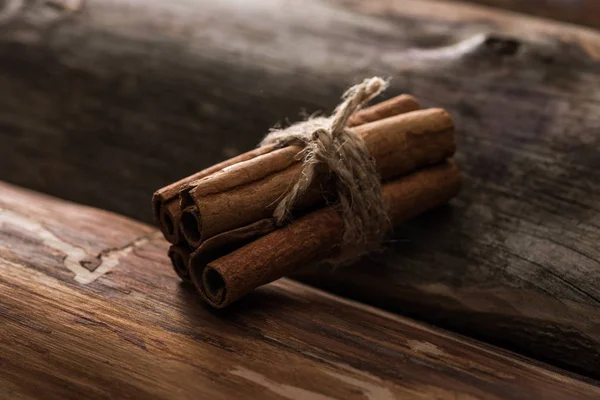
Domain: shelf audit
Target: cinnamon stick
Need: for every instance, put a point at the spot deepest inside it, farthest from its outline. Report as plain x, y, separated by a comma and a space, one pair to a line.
180, 258
165, 202
395, 106
312, 238
249, 191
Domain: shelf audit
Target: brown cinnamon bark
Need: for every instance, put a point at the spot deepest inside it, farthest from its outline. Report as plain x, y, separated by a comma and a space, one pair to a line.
249, 191
165, 202
313, 237
395, 106
180, 258
226, 242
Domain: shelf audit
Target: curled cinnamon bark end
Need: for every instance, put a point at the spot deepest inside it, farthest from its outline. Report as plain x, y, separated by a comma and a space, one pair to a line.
168, 222
215, 288
210, 284
180, 257
157, 205
165, 224
191, 226
216, 247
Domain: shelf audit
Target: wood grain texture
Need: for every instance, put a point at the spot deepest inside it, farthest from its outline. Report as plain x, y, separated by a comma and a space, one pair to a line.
93, 90
582, 12
136, 332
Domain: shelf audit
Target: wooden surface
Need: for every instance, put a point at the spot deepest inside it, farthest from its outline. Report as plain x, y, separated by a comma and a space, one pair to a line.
582, 12
91, 309
104, 102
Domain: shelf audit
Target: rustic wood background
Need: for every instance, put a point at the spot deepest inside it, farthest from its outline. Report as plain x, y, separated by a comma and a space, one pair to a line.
92, 309
104, 101
582, 12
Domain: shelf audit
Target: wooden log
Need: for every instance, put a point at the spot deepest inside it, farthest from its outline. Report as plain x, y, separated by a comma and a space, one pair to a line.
92, 95
126, 328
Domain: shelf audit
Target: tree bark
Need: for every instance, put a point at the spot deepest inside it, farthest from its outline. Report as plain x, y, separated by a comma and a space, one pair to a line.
104, 102
126, 328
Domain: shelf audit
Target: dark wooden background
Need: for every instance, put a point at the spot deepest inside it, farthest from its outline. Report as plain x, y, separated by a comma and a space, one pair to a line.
103, 102
582, 12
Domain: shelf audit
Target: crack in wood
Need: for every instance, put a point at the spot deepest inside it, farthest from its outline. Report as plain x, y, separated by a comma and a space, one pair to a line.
75, 257
283, 390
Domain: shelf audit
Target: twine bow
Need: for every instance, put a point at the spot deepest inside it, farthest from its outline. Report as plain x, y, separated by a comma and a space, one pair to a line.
330, 142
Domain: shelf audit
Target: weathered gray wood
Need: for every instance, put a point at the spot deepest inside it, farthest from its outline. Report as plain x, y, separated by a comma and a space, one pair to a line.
104, 102
127, 329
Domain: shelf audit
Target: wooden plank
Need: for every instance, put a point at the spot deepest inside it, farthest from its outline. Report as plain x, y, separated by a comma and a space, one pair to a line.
582, 12
109, 101
133, 331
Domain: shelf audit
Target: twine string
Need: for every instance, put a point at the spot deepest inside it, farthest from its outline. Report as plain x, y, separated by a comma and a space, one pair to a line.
328, 141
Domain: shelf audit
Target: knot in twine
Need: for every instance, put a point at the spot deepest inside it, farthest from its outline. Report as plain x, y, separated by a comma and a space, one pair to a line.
328, 141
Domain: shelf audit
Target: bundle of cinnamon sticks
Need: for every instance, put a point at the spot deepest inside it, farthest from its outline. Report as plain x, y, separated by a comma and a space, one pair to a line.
220, 220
